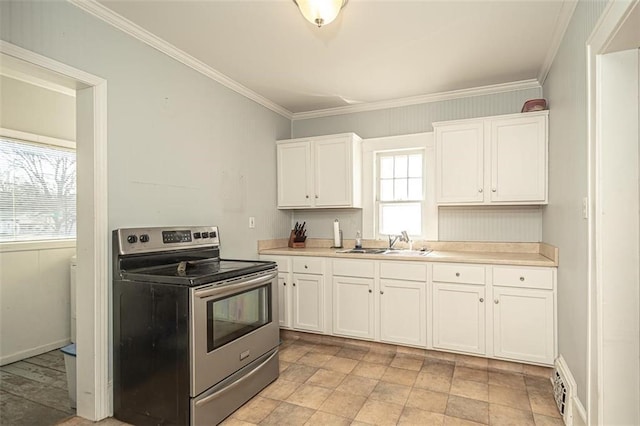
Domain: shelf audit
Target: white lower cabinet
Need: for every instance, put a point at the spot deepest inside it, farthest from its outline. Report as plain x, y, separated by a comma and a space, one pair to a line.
307, 302
403, 313
459, 317
353, 307
284, 299
523, 324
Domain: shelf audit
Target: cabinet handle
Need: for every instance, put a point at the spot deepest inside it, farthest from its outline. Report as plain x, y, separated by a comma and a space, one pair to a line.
316, 195
493, 190
306, 267
370, 291
284, 283
480, 190
457, 274
294, 284
481, 299
381, 292
496, 301
521, 278
306, 196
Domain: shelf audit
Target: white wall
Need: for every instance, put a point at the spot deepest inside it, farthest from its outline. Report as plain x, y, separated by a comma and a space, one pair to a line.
466, 224
182, 149
34, 283
562, 224
36, 110
619, 235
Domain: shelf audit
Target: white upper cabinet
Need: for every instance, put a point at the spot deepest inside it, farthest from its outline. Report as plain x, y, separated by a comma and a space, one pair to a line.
320, 172
492, 160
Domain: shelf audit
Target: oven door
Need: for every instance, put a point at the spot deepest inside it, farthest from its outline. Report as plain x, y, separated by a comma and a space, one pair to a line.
233, 324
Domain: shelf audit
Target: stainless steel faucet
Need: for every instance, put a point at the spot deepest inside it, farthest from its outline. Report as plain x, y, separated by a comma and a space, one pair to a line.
394, 238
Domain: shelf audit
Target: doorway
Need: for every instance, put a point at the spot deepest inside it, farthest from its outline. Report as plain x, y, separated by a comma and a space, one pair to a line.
92, 243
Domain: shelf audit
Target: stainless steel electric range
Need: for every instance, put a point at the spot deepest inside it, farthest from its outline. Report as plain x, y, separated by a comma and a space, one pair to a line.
194, 336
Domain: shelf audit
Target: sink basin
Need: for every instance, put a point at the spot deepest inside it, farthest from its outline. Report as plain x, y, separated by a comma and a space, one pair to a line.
364, 250
406, 252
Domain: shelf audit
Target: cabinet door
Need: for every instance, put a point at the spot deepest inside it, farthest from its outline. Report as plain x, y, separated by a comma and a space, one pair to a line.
284, 299
523, 324
403, 312
519, 159
333, 165
353, 307
459, 163
459, 317
307, 302
294, 175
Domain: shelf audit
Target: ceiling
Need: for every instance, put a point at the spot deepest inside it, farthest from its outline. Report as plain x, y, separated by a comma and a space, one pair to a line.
375, 51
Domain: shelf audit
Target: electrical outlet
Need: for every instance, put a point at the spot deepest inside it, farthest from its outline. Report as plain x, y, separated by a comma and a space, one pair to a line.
252, 222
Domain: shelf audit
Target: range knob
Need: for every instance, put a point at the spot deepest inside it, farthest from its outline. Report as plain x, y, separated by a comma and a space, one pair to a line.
132, 239
144, 238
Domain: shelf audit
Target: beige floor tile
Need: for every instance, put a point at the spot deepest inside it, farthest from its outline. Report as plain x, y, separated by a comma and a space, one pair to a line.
501, 415
407, 362
293, 353
456, 421
320, 418
433, 381
383, 358
474, 374
468, 409
438, 367
538, 384
309, 396
341, 365
415, 416
390, 392
415, 352
279, 390
543, 403
510, 380
510, 397
369, 370
326, 349
343, 404
537, 370
298, 373
471, 361
284, 365
326, 378
399, 376
514, 367
231, 421
357, 385
314, 359
288, 414
470, 389
442, 356
542, 420
256, 409
353, 353
379, 413
435, 402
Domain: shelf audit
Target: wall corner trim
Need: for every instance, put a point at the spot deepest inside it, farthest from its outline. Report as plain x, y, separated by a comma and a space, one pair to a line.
564, 18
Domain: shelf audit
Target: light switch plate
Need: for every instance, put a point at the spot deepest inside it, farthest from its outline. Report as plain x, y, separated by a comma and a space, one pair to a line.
585, 208
252, 222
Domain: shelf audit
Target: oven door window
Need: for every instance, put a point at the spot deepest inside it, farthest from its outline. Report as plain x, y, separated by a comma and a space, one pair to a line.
234, 316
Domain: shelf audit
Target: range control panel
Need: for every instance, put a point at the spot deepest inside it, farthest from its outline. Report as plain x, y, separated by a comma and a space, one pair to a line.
146, 240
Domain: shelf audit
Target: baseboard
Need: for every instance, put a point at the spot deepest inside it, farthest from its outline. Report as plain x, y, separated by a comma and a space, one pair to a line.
579, 413
28, 353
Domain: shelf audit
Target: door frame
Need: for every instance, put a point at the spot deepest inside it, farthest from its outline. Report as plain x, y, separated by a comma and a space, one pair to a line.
611, 21
92, 365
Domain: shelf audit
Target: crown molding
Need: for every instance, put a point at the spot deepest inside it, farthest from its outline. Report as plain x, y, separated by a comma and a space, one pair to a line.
421, 99
562, 23
107, 15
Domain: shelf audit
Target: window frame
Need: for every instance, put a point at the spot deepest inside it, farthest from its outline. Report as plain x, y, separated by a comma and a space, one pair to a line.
40, 140
411, 142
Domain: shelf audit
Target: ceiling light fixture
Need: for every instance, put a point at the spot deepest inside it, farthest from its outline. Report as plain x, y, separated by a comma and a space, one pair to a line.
320, 12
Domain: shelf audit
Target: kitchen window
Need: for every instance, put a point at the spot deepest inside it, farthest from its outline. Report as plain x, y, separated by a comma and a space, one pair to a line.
37, 190
399, 187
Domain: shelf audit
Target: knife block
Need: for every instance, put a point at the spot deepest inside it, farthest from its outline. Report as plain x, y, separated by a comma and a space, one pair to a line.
296, 244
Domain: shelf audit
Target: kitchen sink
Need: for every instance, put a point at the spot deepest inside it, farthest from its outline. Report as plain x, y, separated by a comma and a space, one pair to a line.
406, 252
364, 250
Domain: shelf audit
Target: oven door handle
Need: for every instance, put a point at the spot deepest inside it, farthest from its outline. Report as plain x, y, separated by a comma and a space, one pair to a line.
234, 288
238, 382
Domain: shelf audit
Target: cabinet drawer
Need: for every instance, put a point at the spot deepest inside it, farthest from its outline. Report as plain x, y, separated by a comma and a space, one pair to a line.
284, 263
523, 277
459, 273
353, 268
308, 265
414, 271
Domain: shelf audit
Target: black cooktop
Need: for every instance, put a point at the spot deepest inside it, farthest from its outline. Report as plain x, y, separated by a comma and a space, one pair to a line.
198, 272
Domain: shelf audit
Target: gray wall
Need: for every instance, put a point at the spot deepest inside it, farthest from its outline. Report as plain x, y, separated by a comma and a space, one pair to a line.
455, 224
36, 110
563, 225
182, 149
